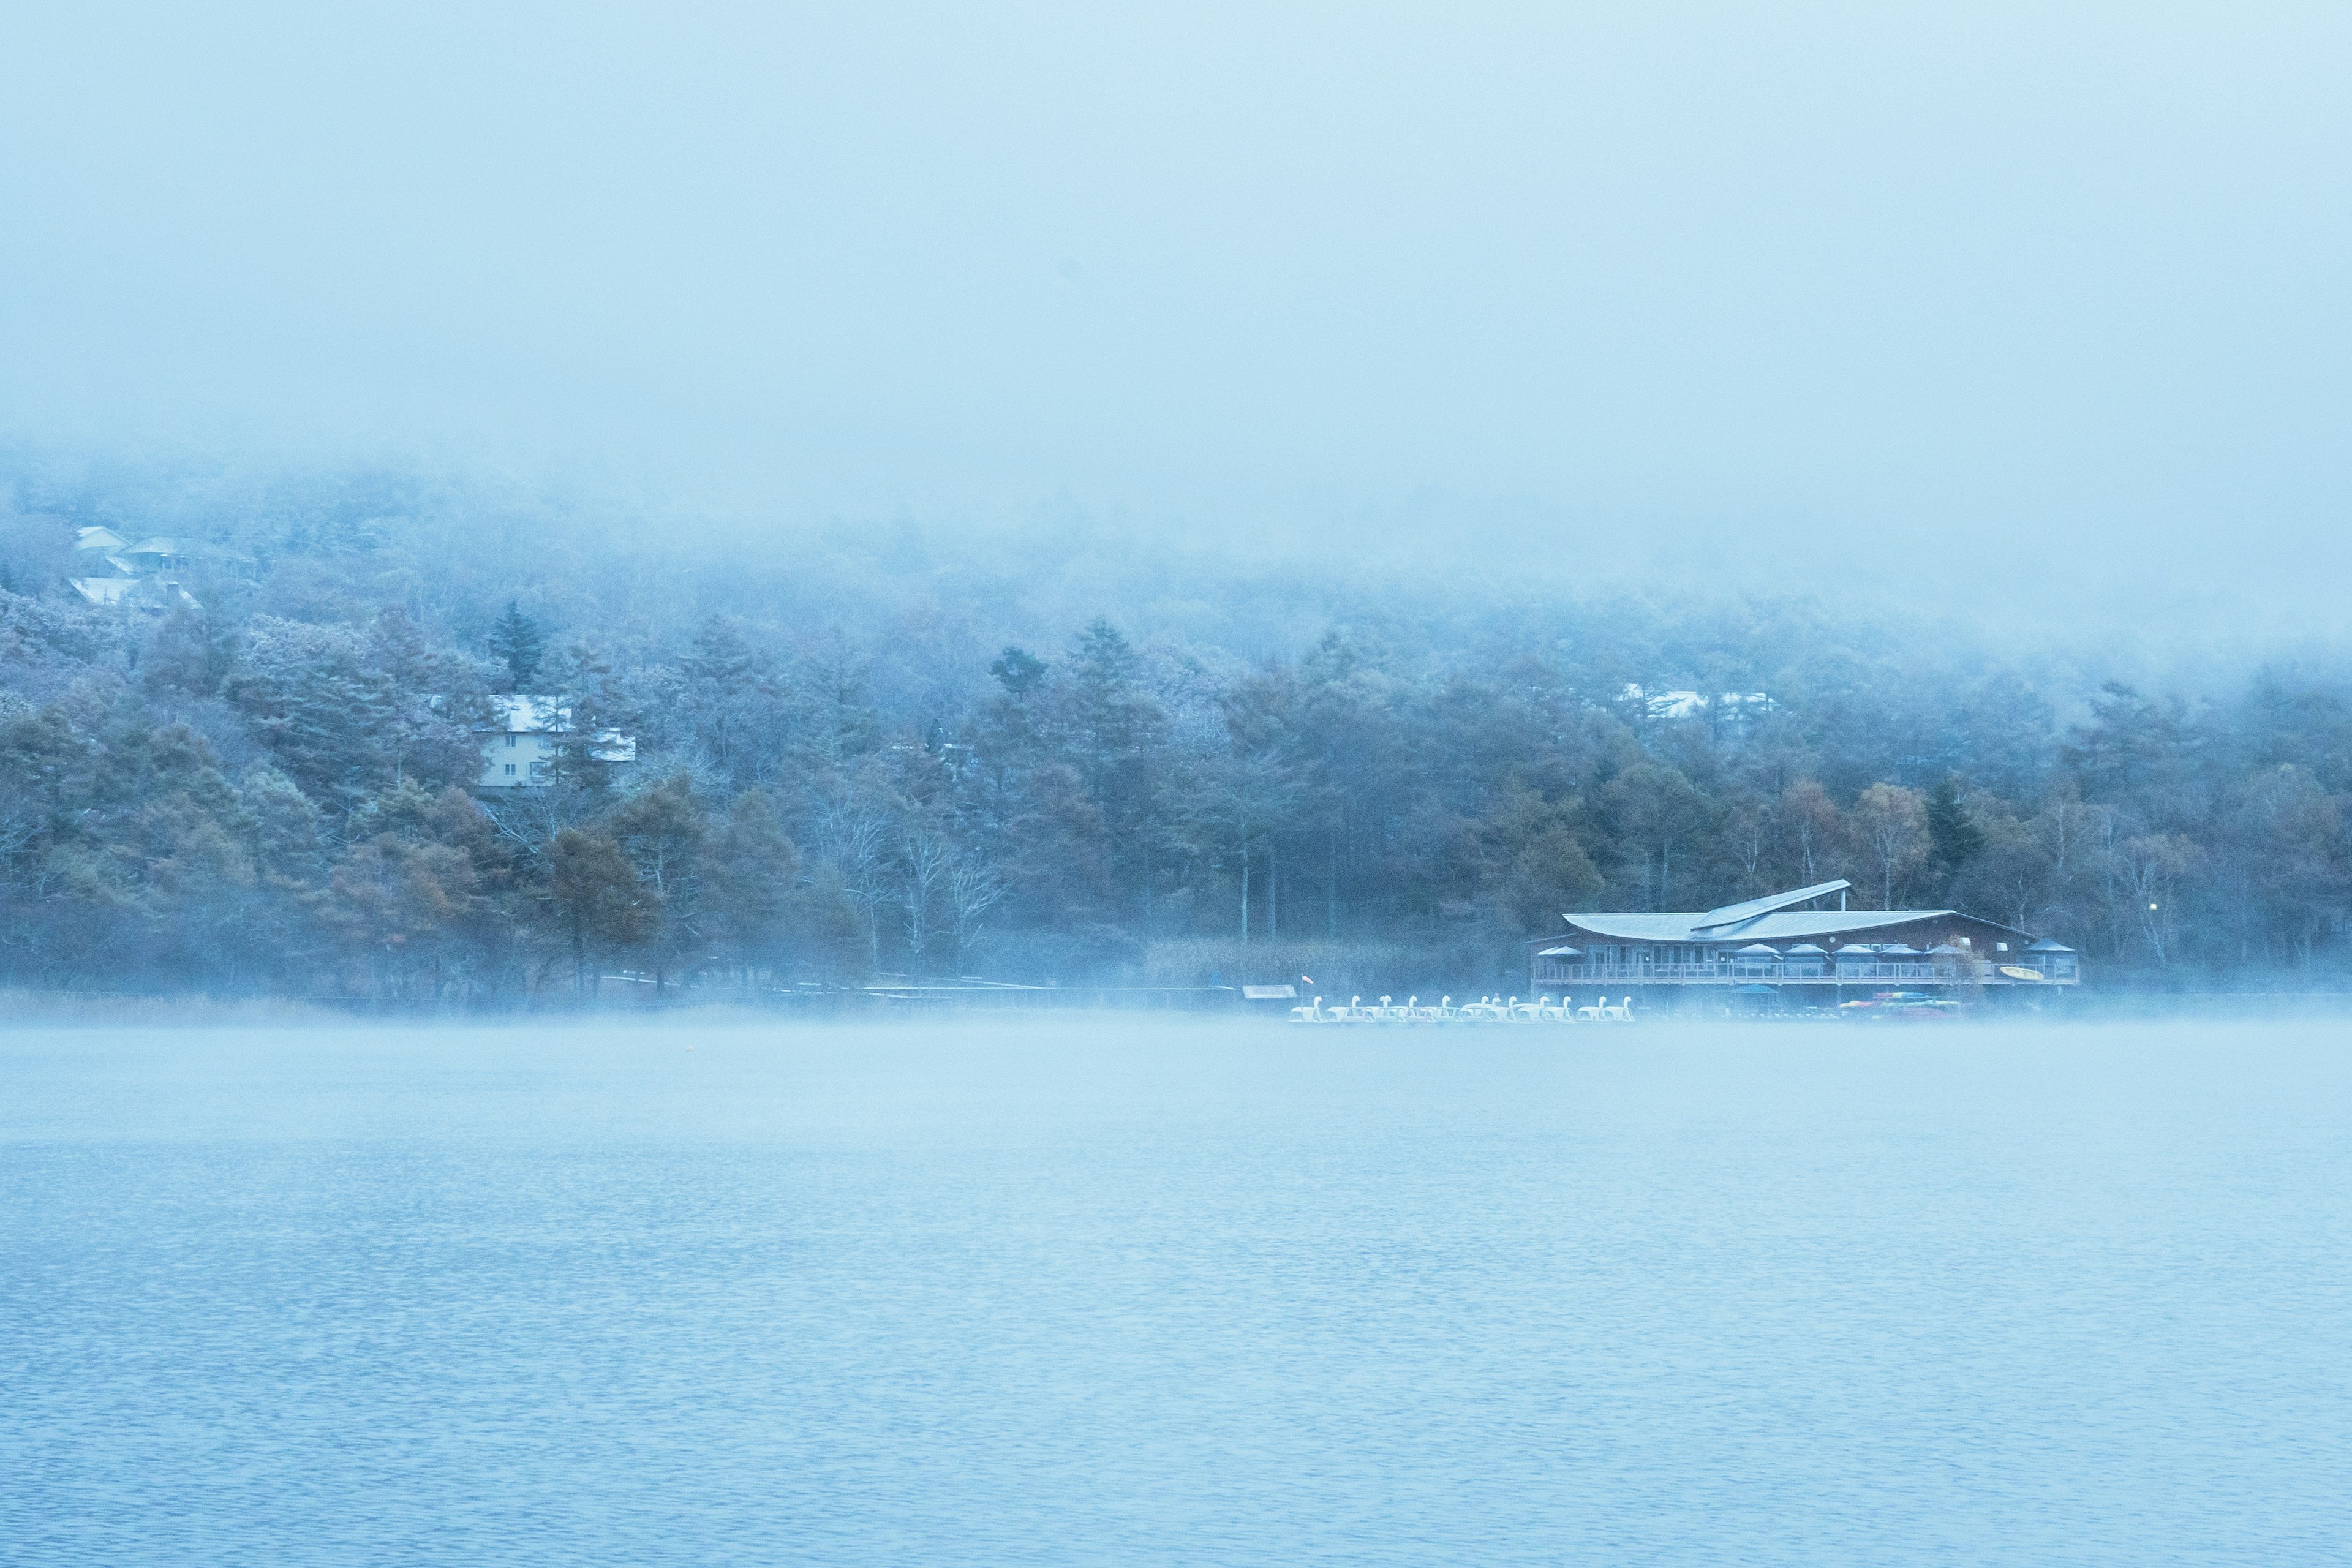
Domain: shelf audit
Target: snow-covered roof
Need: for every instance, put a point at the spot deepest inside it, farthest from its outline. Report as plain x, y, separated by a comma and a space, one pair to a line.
1669, 704
536, 715
149, 593
97, 538
103, 590
531, 715
1685, 704
165, 544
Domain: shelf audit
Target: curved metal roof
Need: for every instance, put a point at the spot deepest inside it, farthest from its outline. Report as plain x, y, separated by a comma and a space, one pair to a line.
1774, 927
1733, 914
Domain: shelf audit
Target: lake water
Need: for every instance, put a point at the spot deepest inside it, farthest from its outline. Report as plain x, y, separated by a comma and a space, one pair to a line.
1158, 1291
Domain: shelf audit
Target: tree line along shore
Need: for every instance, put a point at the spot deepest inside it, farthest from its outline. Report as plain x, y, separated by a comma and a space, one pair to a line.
871, 754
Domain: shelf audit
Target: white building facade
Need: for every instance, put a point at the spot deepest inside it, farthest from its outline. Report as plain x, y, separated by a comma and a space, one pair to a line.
531, 734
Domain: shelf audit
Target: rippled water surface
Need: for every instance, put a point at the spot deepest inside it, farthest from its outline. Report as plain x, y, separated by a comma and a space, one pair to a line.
1161, 1293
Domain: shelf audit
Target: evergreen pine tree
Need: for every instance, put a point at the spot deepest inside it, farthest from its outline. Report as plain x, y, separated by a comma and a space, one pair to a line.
1953, 840
1019, 670
517, 639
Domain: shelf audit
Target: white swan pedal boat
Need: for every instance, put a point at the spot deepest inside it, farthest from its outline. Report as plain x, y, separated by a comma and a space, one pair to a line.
1485, 1010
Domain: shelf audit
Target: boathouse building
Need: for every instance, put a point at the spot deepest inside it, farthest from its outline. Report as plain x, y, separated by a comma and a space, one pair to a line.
1788, 941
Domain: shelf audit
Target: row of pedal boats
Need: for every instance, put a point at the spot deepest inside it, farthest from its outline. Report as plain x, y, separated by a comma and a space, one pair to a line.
1485, 1010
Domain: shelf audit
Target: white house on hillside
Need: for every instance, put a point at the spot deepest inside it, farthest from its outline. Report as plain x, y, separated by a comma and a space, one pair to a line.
520, 748
100, 544
1736, 706
145, 576
165, 553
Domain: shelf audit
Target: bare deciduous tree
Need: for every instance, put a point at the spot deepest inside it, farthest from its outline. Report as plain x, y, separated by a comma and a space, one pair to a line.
927, 860
1892, 823
973, 889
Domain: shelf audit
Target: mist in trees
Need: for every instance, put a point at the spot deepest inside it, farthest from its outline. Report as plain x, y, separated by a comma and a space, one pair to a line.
1092, 762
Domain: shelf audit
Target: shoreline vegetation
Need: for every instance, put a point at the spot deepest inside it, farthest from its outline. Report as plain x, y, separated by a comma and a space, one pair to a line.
818, 758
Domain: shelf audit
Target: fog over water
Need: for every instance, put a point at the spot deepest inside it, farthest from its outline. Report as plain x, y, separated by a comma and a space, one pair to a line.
1165, 1290
2014, 302
740, 505
1104, 496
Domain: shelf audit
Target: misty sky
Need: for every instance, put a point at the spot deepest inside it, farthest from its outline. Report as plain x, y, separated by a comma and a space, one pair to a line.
2069, 278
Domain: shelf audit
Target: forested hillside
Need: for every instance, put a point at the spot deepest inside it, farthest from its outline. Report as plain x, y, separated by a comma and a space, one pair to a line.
1055, 757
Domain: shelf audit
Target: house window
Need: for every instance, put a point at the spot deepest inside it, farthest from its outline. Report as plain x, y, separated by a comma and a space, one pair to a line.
510, 740
509, 770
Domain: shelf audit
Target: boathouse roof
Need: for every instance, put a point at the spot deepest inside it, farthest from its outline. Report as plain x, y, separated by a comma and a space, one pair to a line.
1772, 920
1739, 913
1848, 926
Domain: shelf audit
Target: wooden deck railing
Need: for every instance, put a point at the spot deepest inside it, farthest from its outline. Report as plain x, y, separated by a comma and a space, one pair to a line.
1775, 972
